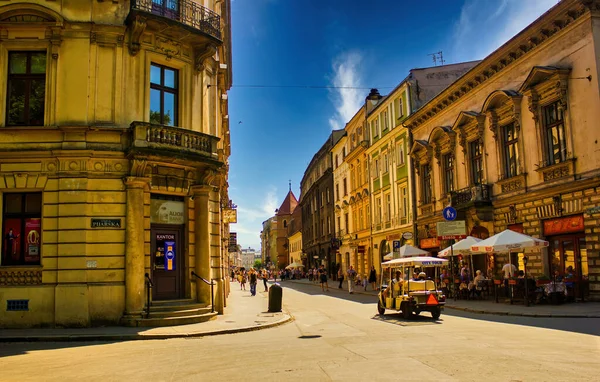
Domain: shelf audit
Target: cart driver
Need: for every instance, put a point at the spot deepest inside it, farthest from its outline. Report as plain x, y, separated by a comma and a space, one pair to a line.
396, 284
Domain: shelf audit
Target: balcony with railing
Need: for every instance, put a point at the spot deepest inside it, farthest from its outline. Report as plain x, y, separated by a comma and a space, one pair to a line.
173, 141
479, 194
170, 16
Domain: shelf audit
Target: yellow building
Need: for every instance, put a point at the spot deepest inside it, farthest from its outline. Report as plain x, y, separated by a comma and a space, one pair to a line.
114, 146
513, 145
356, 244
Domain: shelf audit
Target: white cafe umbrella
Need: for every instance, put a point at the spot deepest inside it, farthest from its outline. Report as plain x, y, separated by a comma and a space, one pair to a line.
294, 265
462, 247
407, 251
508, 241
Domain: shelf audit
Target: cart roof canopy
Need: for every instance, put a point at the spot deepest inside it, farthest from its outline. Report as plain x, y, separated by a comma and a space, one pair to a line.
420, 261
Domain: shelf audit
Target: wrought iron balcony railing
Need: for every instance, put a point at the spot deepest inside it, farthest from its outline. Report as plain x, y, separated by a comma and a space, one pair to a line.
186, 12
477, 193
160, 139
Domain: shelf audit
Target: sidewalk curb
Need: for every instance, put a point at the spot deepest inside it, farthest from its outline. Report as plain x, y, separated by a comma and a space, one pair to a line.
537, 315
141, 337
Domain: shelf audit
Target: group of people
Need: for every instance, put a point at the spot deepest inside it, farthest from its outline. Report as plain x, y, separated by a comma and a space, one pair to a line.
252, 276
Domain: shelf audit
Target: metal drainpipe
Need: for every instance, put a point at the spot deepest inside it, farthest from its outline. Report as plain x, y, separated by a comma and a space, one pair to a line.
413, 186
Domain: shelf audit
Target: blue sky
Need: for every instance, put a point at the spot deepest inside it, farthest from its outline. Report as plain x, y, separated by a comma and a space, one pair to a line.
281, 47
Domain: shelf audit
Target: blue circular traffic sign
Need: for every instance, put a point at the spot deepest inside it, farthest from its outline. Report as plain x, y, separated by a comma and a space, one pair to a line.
449, 213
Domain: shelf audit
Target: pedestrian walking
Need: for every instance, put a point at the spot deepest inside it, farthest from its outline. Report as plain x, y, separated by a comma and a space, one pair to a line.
351, 279
232, 275
340, 277
253, 281
265, 276
323, 278
372, 277
243, 281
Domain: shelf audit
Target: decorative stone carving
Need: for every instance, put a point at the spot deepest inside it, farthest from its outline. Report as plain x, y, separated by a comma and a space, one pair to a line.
512, 213
20, 277
555, 172
493, 124
202, 54
561, 92
533, 104
169, 47
557, 201
136, 29
138, 168
512, 185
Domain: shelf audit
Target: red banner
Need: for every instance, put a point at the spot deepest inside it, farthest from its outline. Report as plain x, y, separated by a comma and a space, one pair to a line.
567, 224
12, 240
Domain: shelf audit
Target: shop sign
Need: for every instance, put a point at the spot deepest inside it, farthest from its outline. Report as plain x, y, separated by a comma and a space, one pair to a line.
232, 241
361, 249
106, 223
430, 242
516, 227
169, 255
167, 212
451, 230
229, 215
32, 234
407, 235
567, 224
393, 237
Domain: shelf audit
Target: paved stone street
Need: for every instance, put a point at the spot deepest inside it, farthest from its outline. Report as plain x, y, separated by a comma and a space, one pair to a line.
335, 336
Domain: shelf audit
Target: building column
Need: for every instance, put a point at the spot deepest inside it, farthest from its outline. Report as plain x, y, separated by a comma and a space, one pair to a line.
134, 246
202, 241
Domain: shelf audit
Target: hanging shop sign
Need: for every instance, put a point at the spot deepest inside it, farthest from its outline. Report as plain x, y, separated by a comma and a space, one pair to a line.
167, 211
569, 224
232, 242
229, 215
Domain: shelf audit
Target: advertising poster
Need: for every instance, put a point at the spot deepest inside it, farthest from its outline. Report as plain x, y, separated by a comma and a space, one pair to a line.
169, 255
12, 241
167, 212
32, 240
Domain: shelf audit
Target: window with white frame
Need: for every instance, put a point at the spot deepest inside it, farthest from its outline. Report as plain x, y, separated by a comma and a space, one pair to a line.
385, 123
400, 155
387, 207
403, 201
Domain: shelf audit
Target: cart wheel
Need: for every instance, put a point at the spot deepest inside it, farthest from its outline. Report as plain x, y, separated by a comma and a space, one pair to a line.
417, 312
380, 309
436, 313
406, 311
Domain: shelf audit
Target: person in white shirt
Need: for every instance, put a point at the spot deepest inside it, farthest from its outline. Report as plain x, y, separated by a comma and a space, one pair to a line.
509, 271
351, 279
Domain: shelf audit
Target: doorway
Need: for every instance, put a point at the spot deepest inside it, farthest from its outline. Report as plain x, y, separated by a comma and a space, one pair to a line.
166, 262
568, 251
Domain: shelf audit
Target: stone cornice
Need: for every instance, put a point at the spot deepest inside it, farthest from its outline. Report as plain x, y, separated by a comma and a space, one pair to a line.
555, 20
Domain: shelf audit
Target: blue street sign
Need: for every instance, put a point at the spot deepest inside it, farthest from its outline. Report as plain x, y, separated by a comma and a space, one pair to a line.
396, 244
449, 213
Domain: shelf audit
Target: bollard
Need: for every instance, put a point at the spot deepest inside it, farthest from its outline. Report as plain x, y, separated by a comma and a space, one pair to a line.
275, 297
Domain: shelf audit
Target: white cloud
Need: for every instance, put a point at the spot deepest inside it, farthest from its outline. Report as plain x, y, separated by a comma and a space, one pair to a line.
346, 98
475, 35
250, 218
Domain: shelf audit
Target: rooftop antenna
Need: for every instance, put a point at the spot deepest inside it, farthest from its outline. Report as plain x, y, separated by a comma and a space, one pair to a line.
290, 185
438, 56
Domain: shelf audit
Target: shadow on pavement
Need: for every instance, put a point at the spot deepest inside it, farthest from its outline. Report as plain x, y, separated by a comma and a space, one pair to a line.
8, 349
575, 325
415, 320
315, 289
